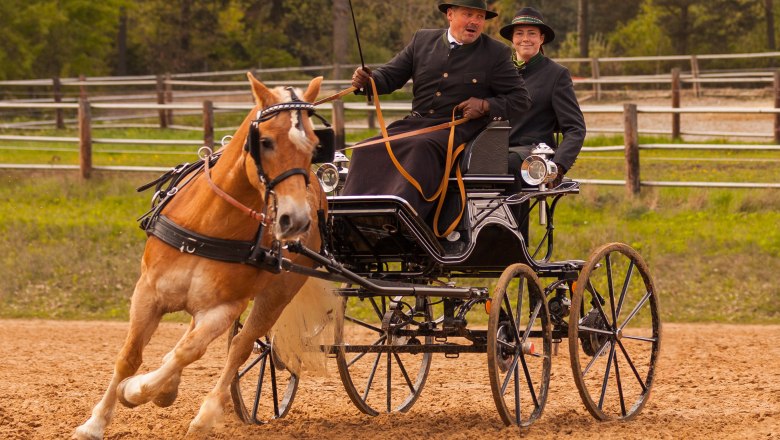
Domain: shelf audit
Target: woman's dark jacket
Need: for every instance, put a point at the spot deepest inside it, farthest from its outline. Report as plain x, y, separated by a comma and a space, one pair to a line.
554, 109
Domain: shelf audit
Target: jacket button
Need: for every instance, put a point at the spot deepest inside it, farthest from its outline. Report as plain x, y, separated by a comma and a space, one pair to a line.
438, 93
474, 80
430, 111
446, 75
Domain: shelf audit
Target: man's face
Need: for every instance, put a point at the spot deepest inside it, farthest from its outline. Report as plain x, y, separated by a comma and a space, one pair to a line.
527, 40
465, 23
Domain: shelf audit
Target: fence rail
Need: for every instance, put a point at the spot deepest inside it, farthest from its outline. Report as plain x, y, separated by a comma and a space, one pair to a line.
630, 116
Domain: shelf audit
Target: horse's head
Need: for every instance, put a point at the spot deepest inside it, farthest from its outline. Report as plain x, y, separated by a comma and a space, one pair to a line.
281, 145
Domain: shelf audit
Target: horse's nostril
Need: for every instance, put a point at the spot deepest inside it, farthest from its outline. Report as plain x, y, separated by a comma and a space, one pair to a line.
284, 222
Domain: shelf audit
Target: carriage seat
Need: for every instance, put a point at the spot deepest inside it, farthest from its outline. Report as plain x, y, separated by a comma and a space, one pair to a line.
487, 152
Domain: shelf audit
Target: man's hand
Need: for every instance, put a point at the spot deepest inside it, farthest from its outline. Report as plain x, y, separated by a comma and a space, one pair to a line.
473, 108
360, 77
559, 178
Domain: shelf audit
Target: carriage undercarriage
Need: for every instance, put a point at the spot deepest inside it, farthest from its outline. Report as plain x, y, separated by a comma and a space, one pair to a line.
408, 295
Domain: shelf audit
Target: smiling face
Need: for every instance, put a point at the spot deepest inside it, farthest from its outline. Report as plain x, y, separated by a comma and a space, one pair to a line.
527, 40
465, 23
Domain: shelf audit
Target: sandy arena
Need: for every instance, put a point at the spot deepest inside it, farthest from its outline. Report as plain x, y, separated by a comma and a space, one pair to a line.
714, 381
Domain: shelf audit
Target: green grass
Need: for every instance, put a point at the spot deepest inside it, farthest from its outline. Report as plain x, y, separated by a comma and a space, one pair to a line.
71, 248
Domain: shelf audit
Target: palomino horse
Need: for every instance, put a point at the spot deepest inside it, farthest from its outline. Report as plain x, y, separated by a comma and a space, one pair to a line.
215, 292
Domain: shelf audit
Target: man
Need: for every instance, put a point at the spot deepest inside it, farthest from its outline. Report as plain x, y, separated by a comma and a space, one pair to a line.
458, 68
555, 106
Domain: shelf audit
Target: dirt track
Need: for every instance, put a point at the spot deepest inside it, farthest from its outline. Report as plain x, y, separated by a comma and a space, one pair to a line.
715, 381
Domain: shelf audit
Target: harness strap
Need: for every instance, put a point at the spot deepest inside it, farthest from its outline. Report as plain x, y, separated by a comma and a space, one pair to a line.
190, 242
259, 216
452, 160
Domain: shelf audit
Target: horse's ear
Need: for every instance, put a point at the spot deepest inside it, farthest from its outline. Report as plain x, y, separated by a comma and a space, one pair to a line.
313, 90
263, 96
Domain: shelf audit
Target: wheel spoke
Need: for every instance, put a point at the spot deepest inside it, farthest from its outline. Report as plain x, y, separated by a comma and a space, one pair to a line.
592, 361
620, 387
629, 274
357, 358
403, 371
606, 375
511, 318
509, 374
389, 383
639, 338
363, 324
528, 379
274, 391
631, 364
379, 313
252, 364
611, 290
517, 395
584, 328
371, 376
259, 389
636, 309
531, 321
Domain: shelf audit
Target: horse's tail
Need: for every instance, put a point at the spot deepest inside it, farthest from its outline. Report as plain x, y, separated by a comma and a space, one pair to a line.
306, 326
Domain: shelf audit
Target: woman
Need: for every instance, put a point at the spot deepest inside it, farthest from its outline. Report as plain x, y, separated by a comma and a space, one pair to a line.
555, 108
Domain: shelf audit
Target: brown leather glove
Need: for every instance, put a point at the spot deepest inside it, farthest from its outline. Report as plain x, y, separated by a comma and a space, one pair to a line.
360, 77
473, 108
559, 178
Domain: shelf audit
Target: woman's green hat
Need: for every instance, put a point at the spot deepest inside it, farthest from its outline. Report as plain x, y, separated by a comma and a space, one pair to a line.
529, 17
474, 4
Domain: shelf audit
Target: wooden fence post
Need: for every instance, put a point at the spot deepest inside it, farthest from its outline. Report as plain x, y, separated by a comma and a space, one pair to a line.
695, 74
161, 100
168, 98
57, 90
85, 138
594, 67
208, 124
338, 124
82, 87
631, 141
676, 102
777, 105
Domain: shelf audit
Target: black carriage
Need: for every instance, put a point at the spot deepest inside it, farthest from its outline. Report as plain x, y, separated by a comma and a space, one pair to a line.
409, 295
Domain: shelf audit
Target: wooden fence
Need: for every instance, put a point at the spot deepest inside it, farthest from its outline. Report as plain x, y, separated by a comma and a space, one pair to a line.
630, 122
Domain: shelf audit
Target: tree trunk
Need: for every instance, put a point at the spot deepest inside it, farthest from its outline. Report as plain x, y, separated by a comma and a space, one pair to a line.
341, 27
121, 43
582, 26
770, 25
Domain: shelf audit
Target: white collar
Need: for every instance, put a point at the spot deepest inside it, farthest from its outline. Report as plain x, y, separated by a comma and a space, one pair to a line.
451, 38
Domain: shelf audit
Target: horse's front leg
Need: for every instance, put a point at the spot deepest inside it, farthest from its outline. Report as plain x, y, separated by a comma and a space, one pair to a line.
145, 316
208, 325
266, 309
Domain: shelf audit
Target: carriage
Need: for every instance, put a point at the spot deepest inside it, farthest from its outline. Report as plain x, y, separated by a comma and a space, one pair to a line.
489, 286
249, 223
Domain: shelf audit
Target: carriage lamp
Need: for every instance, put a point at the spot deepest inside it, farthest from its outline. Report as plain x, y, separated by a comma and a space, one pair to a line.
328, 175
537, 169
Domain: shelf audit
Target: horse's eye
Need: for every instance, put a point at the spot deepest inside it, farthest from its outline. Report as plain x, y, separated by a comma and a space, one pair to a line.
267, 143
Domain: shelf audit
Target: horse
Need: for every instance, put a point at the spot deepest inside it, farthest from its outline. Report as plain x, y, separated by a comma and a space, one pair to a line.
276, 179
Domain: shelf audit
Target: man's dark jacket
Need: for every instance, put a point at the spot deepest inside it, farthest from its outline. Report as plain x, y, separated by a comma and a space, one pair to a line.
442, 78
555, 109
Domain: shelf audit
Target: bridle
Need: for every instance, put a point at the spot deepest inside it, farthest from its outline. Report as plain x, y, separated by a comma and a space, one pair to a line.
254, 144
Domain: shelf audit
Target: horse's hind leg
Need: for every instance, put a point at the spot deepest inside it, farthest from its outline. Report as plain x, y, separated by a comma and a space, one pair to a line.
265, 310
144, 318
208, 325
170, 390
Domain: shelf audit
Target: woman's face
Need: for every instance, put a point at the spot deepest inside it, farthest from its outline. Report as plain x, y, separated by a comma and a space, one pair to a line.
527, 40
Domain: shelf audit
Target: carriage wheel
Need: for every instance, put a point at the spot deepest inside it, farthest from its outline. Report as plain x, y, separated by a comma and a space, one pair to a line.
263, 389
381, 382
519, 346
614, 332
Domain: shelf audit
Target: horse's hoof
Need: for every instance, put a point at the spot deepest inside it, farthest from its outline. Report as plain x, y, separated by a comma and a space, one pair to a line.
165, 400
81, 433
120, 394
